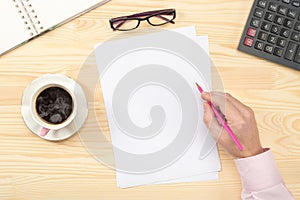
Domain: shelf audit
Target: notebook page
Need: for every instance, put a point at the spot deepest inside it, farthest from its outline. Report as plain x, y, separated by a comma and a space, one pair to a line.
13, 31
55, 12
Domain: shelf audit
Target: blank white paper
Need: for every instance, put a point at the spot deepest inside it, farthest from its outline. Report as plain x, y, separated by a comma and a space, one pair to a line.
186, 168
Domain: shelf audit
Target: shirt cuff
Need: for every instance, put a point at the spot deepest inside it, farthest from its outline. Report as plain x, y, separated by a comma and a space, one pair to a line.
258, 172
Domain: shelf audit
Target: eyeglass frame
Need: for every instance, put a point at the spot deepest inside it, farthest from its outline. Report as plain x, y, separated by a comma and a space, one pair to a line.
139, 17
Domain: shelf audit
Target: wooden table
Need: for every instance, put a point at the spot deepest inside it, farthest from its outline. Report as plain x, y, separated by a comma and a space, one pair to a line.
31, 168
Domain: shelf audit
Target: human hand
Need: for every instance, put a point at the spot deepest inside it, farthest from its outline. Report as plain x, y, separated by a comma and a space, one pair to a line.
239, 117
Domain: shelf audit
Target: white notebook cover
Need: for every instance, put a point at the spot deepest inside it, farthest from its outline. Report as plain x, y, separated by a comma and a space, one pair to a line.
21, 20
13, 28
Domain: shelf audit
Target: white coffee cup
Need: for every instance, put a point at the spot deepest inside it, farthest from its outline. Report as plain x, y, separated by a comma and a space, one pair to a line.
46, 126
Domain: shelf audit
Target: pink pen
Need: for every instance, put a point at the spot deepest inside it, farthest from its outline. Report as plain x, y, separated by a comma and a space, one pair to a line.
224, 124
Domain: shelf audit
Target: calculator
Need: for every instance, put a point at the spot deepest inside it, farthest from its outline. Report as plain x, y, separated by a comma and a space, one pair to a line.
272, 32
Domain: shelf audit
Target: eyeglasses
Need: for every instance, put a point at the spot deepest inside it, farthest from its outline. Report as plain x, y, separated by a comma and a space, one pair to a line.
155, 18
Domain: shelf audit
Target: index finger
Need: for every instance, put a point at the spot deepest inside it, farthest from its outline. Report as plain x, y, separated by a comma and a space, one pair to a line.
224, 102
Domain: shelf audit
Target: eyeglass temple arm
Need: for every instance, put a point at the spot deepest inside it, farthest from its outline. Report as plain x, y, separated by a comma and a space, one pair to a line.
151, 12
166, 19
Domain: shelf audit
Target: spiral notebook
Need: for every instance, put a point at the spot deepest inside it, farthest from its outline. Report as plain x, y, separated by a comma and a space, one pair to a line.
22, 20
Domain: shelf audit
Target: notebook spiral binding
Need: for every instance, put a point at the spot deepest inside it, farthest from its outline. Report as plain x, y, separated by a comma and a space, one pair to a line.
28, 16
33, 15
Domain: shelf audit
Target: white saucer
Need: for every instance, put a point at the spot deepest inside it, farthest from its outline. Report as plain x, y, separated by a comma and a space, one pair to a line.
70, 84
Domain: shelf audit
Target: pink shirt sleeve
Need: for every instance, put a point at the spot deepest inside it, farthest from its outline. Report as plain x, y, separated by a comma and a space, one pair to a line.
261, 178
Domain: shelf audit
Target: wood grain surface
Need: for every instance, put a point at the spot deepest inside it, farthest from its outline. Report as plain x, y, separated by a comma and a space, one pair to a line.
31, 168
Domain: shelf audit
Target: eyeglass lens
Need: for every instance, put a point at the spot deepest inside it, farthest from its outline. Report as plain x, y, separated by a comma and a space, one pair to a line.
161, 19
126, 24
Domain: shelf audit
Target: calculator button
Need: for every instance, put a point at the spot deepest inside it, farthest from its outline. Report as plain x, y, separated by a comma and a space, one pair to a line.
297, 26
251, 32
288, 23
282, 10
259, 46
290, 51
295, 36
248, 42
292, 13
286, 1
272, 39
278, 51
296, 3
269, 49
255, 23
266, 26
262, 3
273, 7
285, 32
269, 16
297, 57
275, 29
278, 20
258, 13
281, 42
262, 36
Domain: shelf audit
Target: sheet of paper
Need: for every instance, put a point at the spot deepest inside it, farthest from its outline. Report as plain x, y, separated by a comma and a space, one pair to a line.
203, 42
152, 103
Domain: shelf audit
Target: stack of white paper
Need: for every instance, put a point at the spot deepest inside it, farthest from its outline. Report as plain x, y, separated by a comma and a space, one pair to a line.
154, 109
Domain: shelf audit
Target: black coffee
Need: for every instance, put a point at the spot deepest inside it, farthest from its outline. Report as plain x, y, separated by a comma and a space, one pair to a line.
54, 105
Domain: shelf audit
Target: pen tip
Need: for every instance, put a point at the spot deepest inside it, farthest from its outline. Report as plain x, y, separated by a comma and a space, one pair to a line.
199, 88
